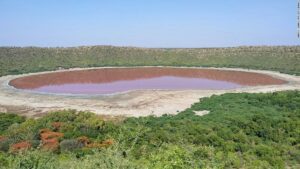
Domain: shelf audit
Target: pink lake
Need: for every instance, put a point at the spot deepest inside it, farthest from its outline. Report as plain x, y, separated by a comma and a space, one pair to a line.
159, 83
116, 80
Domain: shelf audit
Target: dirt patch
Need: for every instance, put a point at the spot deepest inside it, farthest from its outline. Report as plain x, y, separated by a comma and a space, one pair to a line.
201, 113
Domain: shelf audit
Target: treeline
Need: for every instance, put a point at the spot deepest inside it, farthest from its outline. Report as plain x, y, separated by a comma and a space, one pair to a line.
241, 131
16, 60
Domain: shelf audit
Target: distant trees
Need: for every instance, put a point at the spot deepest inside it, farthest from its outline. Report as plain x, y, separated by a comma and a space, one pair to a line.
15, 60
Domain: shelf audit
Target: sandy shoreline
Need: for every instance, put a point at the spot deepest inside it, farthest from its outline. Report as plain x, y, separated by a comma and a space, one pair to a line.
134, 103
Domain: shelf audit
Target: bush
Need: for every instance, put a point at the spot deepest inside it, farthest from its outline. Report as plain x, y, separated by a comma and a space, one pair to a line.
21, 146
7, 120
3, 160
32, 159
70, 145
4, 145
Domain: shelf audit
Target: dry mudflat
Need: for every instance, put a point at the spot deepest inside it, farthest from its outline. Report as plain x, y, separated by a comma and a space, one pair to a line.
133, 103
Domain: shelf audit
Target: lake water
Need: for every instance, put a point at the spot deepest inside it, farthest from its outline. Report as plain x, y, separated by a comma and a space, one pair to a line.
163, 83
115, 80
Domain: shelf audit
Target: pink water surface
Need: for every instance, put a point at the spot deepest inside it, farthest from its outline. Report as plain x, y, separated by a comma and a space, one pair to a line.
163, 83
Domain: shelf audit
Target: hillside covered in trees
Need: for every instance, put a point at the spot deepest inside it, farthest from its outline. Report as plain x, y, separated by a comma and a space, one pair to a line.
16, 60
241, 131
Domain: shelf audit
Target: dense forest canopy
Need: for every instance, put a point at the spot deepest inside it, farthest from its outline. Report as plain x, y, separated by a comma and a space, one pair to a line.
241, 131
16, 60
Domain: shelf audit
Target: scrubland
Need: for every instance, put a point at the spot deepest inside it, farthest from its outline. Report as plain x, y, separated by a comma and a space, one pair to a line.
241, 131
16, 60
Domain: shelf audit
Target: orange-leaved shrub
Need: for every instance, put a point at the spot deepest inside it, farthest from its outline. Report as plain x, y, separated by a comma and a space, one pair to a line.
84, 140
102, 144
50, 139
21, 146
2, 138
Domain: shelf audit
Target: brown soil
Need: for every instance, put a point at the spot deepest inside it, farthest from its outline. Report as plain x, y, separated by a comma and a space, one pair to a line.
117, 74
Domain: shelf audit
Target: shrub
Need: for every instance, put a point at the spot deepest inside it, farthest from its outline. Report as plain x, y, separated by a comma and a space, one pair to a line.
50, 144
50, 139
70, 145
2, 138
84, 140
35, 143
56, 125
7, 120
21, 146
32, 160
4, 145
3, 160
24, 131
50, 135
102, 144
170, 156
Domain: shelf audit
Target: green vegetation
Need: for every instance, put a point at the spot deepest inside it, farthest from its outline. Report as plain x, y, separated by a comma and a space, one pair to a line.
15, 60
241, 131
7, 120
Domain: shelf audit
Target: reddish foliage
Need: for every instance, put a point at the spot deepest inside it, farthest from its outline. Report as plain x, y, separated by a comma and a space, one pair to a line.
24, 145
44, 131
50, 144
108, 142
105, 143
56, 125
2, 138
49, 135
50, 139
84, 140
